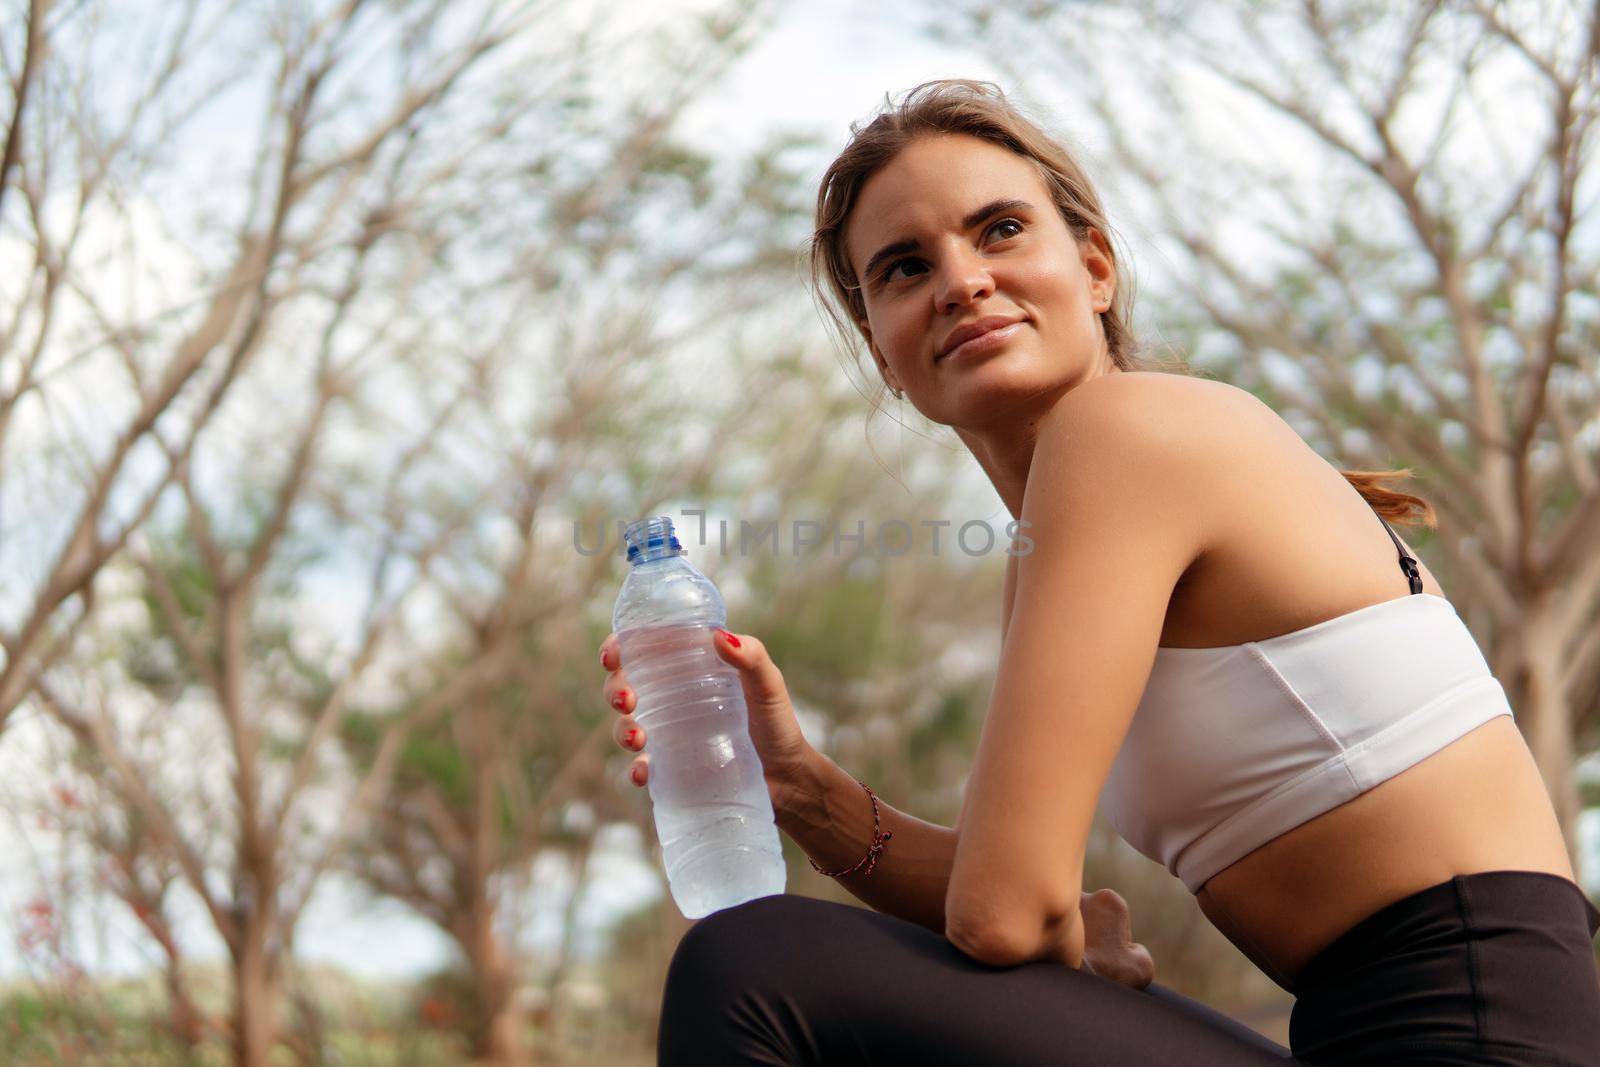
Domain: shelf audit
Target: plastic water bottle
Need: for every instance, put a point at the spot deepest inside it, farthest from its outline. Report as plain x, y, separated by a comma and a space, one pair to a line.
712, 810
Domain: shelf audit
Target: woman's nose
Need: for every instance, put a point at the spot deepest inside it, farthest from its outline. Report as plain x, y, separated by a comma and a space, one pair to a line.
963, 278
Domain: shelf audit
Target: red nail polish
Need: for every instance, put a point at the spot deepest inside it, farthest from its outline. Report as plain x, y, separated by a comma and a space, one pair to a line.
620, 701
603, 662
732, 640
634, 774
631, 736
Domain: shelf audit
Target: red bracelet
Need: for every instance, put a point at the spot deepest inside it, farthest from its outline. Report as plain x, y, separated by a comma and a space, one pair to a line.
878, 839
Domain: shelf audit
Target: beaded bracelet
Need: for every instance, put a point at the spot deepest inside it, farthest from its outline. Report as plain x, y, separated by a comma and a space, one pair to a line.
878, 839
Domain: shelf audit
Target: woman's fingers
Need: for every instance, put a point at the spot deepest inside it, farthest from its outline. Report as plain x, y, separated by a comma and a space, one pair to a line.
630, 735
620, 696
1109, 913
763, 682
774, 728
616, 690
632, 738
1109, 948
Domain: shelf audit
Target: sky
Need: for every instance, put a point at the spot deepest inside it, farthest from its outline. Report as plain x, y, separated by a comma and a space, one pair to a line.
805, 72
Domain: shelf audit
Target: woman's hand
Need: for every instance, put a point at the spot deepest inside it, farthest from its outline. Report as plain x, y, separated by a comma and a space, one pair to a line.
786, 755
1108, 946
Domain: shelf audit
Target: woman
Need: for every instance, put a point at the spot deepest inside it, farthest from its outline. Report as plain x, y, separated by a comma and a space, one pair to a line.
1209, 637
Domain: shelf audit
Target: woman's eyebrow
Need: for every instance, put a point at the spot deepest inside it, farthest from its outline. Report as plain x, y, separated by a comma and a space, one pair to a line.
909, 244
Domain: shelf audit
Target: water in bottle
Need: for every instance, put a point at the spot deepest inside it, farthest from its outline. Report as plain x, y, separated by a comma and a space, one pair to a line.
713, 814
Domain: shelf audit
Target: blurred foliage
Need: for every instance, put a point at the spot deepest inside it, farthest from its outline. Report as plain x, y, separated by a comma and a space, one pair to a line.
119, 1024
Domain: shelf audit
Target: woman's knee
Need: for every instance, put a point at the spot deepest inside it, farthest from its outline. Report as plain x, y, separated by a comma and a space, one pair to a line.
715, 1007
752, 934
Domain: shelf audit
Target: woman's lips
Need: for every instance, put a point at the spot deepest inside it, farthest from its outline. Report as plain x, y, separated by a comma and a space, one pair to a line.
984, 342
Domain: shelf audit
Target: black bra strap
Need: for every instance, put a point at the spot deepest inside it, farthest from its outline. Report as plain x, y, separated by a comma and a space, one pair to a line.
1408, 563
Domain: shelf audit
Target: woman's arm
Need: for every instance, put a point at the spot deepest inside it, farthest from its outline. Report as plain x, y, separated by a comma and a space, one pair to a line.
1009, 596
829, 815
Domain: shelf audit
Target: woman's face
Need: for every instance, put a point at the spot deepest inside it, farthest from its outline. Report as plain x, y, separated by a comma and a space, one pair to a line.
954, 230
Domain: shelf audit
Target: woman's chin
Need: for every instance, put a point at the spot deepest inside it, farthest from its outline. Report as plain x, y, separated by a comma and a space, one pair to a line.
981, 399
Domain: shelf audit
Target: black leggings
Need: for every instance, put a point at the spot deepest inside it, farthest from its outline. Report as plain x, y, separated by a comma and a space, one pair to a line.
1488, 968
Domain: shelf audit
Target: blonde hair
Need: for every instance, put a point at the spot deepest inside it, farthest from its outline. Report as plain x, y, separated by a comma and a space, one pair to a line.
981, 109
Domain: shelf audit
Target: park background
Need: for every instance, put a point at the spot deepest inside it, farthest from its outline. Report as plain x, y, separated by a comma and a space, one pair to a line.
331, 333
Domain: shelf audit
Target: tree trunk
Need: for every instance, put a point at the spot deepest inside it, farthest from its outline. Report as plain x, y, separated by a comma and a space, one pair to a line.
1545, 715
255, 1002
183, 1017
497, 1027
567, 949
499, 1037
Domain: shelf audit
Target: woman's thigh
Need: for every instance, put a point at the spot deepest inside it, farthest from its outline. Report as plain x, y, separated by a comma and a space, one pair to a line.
790, 980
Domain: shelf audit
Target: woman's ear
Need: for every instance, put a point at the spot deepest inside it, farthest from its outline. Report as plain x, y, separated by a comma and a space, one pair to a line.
877, 357
1102, 268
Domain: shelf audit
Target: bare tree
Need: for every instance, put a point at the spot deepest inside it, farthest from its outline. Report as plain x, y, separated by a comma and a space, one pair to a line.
484, 792
341, 156
1405, 269
21, 83
478, 792
135, 870
373, 293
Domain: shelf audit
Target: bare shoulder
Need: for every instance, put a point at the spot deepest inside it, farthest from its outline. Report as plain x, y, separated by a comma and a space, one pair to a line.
1170, 393
1138, 458
1189, 455
1288, 541
1208, 425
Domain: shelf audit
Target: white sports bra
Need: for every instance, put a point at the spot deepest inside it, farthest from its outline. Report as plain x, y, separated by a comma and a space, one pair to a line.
1232, 746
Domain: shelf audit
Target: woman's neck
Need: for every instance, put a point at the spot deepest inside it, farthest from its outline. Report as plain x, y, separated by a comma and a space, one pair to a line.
1005, 450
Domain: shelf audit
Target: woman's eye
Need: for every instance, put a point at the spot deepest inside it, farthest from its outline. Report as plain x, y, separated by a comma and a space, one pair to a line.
888, 272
